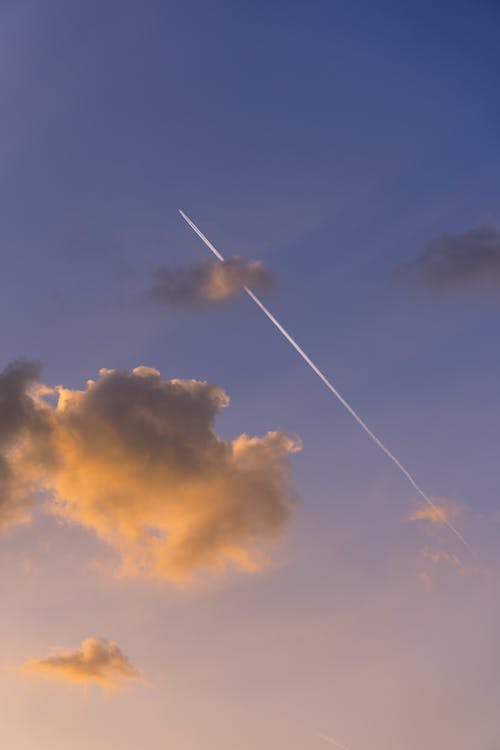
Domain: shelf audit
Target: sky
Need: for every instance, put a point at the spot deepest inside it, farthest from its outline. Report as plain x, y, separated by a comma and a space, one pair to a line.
199, 547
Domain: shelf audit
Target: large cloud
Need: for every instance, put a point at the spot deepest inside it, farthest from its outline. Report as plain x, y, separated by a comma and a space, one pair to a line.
135, 458
453, 260
208, 283
97, 660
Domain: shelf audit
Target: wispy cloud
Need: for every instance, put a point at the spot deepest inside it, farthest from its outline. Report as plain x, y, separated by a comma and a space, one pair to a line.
441, 513
455, 260
436, 557
97, 660
208, 283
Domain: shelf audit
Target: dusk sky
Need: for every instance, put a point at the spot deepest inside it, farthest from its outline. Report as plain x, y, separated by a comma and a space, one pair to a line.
199, 547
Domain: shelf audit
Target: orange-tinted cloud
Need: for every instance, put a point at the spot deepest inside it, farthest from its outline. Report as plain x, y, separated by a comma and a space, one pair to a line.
439, 513
211, 282
97, 660
135, 458
438, 556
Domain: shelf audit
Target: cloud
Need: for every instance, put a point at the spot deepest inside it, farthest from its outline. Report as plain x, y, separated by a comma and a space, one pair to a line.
453, 260
23, 420
135, 458
437, 557
97, 660
433, 560
208, 283
439, 513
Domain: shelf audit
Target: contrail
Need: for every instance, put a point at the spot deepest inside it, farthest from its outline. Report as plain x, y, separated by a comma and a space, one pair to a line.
332, 741
331, 387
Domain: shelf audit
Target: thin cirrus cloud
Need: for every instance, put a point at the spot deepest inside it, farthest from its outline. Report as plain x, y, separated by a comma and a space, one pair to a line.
208, 283
455, 260
135, 458
96, 661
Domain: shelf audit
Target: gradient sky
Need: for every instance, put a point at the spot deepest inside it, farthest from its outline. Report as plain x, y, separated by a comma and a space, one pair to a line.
333, 141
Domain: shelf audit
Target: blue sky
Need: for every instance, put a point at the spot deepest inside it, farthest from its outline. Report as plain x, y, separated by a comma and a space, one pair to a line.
332, 141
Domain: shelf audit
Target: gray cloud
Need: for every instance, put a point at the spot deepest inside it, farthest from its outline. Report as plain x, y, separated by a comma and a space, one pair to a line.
17, 409
453, 260
208, 283
22, 421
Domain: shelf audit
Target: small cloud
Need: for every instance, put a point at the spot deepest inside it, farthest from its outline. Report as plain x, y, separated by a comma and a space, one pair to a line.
437, 557
441, 562
425, 580
97, 660
208, 283
455, 260
437, 513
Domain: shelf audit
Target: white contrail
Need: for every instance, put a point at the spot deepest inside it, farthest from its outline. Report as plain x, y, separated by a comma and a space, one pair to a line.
332, 741
331, 387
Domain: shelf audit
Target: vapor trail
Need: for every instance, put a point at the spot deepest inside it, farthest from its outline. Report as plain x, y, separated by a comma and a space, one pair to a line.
332, 741
330, 386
